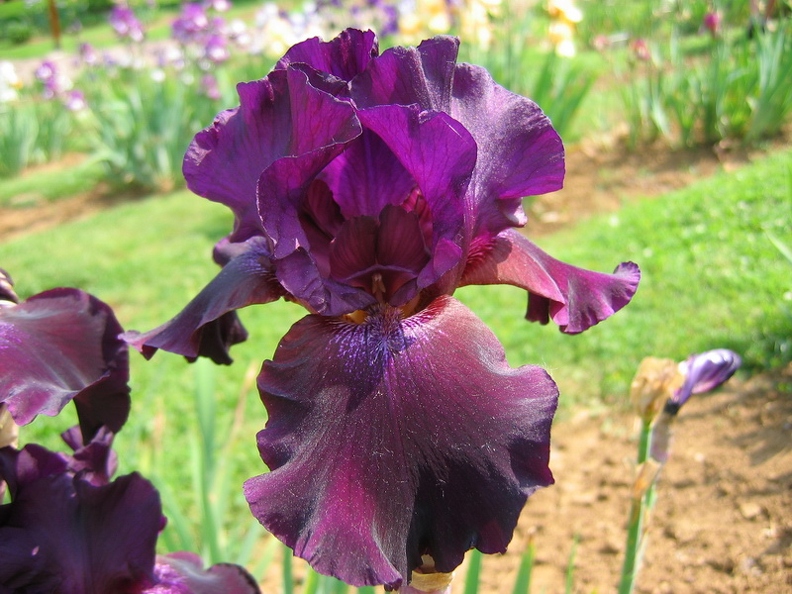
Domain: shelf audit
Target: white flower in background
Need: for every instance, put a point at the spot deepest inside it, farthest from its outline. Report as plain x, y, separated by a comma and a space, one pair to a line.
9, 82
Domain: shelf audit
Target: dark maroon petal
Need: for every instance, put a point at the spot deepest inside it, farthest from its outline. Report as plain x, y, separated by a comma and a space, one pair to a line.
344, 57
63, 345
520, 154
62, 534
183, 573
572, 297
278, 116
94, 462
367, 177
396, 438
208, 326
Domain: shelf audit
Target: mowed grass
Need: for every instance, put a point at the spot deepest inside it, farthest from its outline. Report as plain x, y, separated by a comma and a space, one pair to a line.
711, 278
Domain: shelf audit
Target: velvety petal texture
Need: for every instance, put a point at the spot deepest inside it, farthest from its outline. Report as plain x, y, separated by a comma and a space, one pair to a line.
209, 326
63, 534
394, 438
572, 297
59, 346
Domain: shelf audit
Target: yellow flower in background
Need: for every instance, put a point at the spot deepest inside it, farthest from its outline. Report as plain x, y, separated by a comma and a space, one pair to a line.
564, 15
564, 10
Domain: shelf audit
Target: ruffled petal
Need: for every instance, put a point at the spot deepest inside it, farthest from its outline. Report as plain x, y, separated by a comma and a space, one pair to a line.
572, 297
208, 326
280, 115
345, 56
63, 345
62, 534
519, 152
395, 438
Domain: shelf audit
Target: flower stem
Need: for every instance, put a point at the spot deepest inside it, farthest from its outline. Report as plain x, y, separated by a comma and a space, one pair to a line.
642, 500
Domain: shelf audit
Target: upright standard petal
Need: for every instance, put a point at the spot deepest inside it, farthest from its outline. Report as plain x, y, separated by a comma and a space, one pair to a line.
395, 438
63, 345
344, 57
279, 116
572, 297
520, 154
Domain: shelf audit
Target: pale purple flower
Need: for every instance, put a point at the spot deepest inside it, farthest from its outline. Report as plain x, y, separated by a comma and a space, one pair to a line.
126, 24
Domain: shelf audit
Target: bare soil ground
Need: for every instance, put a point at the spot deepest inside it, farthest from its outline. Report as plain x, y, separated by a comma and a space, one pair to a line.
723, 522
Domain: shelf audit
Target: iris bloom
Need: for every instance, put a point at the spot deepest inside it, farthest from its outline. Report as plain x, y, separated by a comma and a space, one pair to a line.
70, 529
368, 188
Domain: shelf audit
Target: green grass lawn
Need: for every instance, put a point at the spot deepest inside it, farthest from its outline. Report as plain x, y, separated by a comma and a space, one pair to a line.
711, 278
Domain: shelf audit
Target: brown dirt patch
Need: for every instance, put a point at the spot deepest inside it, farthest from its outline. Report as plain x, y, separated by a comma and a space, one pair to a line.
722, 522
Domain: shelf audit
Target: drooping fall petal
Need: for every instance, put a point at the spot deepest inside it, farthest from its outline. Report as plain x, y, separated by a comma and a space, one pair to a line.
574, 298
59, 346
395, 438
208, 326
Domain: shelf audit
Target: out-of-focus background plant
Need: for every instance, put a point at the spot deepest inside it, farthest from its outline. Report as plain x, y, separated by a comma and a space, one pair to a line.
134, 81
132, 84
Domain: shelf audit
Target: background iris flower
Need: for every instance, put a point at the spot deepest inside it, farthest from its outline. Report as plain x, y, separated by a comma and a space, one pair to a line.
368, 188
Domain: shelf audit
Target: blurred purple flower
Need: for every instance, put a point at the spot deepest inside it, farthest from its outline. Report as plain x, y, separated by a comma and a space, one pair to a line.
58, 346
210, 88
192, 22
216, 49
368, 188
126, 25
712, 22
74, 100
218, 5
88, 55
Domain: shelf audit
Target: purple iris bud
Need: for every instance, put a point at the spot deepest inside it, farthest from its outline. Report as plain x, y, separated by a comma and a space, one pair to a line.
704, 372
62, 533
712, 22
59, 346
368, 188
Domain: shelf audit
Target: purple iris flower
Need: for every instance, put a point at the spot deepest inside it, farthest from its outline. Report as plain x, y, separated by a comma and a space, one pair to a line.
704, 372
58, 346
191, 23
368, 188
70, 529
126, 25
